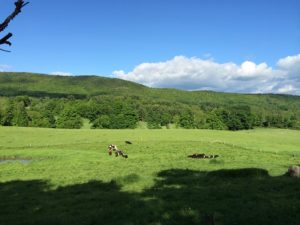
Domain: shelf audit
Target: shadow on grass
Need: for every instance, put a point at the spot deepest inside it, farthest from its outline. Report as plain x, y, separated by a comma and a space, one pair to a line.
243, 196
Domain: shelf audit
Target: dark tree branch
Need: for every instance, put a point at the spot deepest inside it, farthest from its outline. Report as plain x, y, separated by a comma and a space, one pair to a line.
19, 4
4, 40
4, 50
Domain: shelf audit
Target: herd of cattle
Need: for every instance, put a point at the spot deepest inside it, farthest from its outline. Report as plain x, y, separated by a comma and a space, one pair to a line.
113, 148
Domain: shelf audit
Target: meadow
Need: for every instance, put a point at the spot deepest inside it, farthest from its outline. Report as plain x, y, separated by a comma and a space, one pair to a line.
67, 177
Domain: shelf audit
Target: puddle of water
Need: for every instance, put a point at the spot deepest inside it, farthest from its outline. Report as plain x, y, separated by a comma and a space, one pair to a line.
23, 161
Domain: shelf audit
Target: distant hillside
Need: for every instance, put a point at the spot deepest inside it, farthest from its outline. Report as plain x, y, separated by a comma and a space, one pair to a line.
41, 85
55, 101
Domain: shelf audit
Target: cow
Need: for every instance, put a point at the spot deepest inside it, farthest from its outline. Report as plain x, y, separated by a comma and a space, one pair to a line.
113, 148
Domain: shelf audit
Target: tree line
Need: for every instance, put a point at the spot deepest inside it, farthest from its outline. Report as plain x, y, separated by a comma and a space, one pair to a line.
114, 112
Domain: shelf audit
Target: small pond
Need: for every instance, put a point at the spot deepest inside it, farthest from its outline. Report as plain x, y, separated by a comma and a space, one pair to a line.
23, 161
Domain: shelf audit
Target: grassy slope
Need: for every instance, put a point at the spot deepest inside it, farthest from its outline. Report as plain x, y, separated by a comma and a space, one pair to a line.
72, 180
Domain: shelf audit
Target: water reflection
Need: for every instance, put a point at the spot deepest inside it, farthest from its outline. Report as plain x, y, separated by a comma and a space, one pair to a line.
23, 161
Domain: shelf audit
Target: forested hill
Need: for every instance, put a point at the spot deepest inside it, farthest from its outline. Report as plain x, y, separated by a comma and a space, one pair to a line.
28, 99
41, 85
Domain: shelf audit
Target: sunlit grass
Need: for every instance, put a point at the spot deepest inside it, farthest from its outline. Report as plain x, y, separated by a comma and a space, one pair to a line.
66, 157
71, 179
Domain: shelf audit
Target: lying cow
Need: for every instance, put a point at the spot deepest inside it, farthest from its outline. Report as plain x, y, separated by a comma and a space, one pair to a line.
203, 156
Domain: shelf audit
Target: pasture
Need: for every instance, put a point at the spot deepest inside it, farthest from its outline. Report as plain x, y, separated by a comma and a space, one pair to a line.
56, 176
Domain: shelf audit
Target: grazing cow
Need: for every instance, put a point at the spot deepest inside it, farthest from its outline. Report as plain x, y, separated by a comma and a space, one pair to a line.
114, 148
120, 152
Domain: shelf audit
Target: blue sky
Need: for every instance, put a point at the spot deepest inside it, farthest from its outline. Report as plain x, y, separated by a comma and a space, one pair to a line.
99, 37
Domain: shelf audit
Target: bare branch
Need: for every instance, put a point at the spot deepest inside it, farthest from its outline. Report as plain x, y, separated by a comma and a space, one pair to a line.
4, 40
3, 50
19, 4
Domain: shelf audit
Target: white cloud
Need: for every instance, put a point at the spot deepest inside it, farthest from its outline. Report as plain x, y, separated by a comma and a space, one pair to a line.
119, 73
206, 74
291, 64
286, 89
59, 73
5, 68
289, 61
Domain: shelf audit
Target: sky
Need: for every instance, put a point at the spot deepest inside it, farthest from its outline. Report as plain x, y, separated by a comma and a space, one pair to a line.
245, 46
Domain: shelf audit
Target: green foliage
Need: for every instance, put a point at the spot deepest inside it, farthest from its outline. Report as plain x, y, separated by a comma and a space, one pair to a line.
37, 119
153, 117
238, 117
199, 118
42, 112
7, 117
214, 122
176, 120
79, 87
20, 117
153, 125
123, 104
111, 113
122, 121
187, 120
102, 122
69, 118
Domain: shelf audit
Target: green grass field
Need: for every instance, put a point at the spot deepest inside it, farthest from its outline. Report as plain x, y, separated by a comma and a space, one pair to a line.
71, 179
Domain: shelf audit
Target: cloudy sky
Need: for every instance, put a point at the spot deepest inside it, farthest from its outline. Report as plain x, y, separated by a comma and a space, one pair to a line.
232, 46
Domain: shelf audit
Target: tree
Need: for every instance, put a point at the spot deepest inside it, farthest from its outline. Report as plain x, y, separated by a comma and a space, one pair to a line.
123, 121
38, 120
199, 118
1, 115
214, 122
8, 115
69, 119
176, 120
19, 4
102, 121
187, 120
20, 115
237, 117
153, 118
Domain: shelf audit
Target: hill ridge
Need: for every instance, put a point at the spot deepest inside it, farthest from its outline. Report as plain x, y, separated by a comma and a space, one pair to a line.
40, 85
